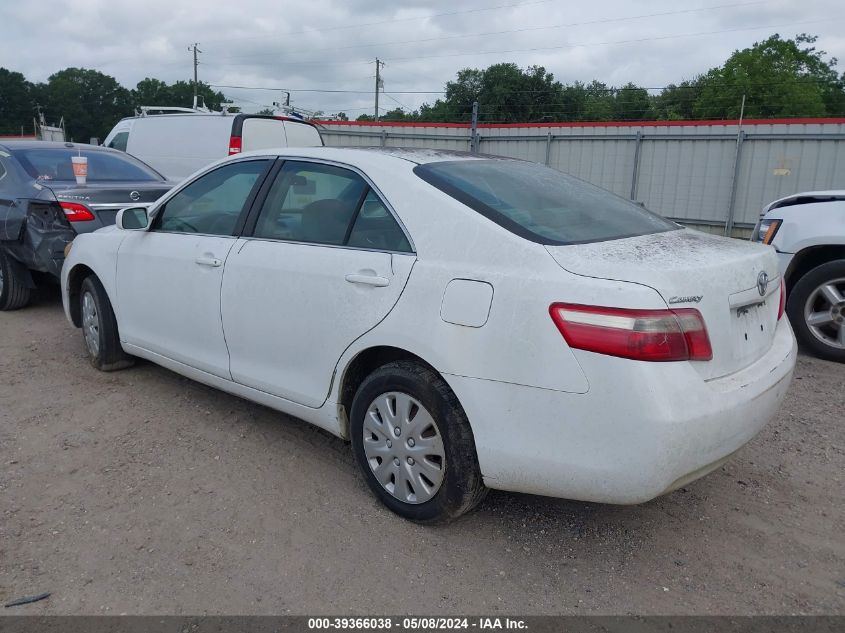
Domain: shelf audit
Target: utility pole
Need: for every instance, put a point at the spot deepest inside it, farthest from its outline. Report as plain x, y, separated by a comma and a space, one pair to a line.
196, 63
473, 138
740, 137
379, 83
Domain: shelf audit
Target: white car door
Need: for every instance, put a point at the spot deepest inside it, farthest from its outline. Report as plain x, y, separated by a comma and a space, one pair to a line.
168, 278
321, 264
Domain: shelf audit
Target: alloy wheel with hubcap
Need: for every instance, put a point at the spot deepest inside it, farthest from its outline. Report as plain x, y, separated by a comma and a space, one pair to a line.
816, 307
824, 313
91, 323
413, 443
99, 327
404, 448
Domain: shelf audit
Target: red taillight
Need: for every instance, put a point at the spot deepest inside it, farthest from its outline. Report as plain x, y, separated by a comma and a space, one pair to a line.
652, 335
235, 145
76, 212
782, 305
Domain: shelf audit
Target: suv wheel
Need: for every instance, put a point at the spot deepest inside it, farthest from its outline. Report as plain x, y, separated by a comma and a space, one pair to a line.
414, 445
816, 308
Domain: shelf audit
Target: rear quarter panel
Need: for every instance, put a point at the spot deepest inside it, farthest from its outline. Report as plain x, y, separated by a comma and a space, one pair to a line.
519, 343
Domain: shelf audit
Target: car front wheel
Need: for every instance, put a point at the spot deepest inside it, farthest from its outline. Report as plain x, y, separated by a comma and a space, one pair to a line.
816, 308
99, 328
414, 445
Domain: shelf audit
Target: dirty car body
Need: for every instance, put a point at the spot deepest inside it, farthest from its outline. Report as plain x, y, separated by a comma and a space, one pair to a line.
567, 341
42, 207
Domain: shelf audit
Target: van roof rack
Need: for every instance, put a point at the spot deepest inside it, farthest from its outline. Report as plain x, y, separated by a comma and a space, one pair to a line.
146, 110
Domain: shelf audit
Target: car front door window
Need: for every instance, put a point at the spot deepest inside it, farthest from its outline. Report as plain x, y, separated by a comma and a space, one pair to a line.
212, 204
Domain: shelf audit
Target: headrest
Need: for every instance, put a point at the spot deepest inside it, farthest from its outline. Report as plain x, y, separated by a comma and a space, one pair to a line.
326, 221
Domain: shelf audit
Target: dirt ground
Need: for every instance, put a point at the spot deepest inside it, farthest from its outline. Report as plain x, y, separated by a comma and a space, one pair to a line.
142, 492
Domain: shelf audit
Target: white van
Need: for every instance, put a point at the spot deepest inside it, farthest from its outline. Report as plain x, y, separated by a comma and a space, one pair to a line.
177, 145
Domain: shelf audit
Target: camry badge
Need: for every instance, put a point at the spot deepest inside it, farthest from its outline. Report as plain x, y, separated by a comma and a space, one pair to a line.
762, 283
690, 299
135, 196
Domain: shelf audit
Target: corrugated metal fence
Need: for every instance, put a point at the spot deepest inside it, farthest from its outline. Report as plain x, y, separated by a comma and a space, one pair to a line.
709, 174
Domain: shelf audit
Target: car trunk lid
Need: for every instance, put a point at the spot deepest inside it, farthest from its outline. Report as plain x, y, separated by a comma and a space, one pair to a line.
720, 277
106, 199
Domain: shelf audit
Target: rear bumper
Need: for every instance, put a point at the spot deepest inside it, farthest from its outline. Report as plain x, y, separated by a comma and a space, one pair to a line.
642, 429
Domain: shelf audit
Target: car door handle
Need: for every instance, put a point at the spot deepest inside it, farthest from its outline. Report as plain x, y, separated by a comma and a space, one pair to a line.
209, 261
368, 280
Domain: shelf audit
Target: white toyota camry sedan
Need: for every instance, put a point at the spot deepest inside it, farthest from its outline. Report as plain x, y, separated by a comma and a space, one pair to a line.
466, 321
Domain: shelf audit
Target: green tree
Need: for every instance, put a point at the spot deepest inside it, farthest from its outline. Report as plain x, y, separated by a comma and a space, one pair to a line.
598, 102
631, 103
676, 102
182, 95
151, 92
89, 101
16, 103
779, 78
505, 93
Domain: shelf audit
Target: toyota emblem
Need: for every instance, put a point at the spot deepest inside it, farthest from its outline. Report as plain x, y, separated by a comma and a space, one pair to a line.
762, 283
135, 196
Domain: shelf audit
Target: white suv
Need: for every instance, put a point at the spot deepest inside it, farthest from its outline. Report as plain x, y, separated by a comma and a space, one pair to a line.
808, 231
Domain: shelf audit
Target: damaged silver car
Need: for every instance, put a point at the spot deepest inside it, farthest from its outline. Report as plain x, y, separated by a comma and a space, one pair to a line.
50, 192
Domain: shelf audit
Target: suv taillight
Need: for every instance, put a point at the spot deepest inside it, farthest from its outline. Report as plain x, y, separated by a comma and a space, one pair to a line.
649, 335
76, 212
235, 145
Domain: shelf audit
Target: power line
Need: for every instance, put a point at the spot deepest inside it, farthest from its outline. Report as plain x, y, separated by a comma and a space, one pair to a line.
587, 87
611, 43
510, 31
543, 48
395, 20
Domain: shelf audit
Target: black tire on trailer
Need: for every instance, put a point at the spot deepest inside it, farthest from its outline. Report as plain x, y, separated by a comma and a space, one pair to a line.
14, 292
414, 445
99, 328
816, 309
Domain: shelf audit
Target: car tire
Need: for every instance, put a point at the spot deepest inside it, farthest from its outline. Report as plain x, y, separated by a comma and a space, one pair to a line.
14, 293
812, 294
99, 328
427, 471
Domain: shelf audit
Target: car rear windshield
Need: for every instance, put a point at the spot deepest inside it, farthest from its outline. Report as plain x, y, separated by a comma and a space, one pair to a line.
103, 166
541, 204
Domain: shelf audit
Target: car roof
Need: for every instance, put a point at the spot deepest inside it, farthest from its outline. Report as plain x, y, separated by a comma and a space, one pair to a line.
415, 155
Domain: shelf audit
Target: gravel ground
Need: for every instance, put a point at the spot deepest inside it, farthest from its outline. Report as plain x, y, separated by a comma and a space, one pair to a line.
142, 492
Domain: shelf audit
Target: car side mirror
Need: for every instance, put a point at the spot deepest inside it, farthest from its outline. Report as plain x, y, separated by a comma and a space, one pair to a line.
134, 219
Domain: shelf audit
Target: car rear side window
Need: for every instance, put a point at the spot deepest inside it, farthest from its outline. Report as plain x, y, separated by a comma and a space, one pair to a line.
376, 228
103, 166
326, 204
541, 204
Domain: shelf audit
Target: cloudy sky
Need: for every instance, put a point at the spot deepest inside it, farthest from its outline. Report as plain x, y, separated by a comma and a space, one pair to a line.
312, 47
